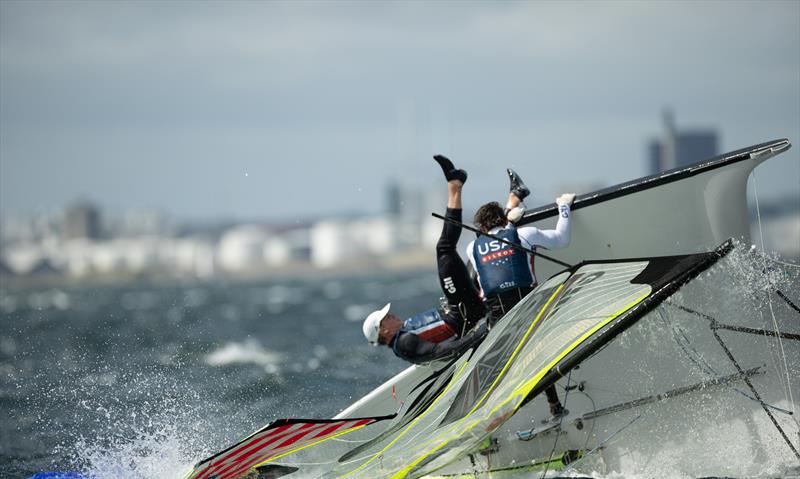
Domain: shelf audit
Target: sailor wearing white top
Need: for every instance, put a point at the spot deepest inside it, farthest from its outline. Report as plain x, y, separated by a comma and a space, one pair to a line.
491, 252
506, 274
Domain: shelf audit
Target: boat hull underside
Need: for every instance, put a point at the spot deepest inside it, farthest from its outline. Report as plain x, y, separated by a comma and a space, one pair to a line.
665, 393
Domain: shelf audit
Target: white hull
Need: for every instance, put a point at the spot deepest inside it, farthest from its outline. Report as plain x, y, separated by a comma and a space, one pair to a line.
678, 212
666, 395
686, 211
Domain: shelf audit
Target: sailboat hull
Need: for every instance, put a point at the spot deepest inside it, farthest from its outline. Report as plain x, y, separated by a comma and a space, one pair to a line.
667, 386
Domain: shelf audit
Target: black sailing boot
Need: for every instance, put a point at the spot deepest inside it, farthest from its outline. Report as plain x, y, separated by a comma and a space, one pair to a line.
517, 186
450, 171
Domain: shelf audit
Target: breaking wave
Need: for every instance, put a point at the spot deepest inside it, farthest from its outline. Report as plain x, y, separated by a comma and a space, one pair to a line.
248, 352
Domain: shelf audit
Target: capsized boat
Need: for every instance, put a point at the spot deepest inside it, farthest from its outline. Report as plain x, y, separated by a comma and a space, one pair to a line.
661, 348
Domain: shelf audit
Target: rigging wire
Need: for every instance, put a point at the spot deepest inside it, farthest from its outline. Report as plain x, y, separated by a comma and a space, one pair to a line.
787, 300
591, 431
788, 390
558, 429
785, 263
594, 410
601, 444
758, 209
755, 393
695, 357
509, 243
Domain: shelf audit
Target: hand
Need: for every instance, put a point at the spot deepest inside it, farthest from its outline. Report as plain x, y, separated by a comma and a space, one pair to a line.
566, 199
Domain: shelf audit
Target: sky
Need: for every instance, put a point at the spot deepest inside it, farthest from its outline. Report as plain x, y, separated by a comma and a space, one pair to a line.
281, 110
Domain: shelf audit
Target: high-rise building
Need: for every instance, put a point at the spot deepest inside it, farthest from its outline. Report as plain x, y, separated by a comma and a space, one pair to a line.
678, 148
394, 199
82, 220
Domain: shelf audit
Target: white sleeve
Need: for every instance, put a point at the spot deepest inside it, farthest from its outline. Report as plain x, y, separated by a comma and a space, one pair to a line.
550, 239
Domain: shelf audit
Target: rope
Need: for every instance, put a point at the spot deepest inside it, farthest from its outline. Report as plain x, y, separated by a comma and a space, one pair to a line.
788, 384
758, 210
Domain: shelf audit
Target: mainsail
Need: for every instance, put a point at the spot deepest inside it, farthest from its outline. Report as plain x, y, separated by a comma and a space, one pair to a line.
563, 321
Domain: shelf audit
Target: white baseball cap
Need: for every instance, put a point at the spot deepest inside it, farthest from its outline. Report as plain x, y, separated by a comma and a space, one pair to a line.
373, 323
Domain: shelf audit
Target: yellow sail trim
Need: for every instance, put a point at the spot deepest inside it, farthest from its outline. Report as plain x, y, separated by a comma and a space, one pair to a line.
517, 349
407, 428
403, 472
506, 365
528, 385
407, 469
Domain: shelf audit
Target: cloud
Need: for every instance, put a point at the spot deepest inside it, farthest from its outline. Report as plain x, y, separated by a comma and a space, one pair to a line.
314, 83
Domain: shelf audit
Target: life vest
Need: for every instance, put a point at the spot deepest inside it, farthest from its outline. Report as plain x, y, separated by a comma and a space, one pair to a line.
428, 325
500, 266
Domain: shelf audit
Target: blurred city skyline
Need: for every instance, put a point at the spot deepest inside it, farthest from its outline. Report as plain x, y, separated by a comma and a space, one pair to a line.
281, 110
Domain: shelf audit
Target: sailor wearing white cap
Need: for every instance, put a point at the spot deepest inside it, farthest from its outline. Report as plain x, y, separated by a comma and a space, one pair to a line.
373, 322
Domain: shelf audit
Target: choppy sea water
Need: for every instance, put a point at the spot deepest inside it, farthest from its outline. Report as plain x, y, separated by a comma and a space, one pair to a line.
142, 381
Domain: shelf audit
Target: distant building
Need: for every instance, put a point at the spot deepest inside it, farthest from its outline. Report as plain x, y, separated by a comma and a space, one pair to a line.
404, 201
287, 246
192, 256
82, 220
337, 241
241, 249
27, 260
394, 199
331, 243
678, 148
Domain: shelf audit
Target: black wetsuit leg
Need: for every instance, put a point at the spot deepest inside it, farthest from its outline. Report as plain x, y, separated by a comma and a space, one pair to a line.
552, 395
454, 277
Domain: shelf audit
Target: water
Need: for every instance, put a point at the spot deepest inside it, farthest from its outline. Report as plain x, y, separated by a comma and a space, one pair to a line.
142, 381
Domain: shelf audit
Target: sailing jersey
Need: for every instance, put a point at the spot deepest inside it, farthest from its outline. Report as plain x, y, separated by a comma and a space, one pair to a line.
501, 267
428, 325
427, 337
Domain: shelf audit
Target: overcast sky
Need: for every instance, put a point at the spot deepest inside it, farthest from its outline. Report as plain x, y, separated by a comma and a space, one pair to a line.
295, 109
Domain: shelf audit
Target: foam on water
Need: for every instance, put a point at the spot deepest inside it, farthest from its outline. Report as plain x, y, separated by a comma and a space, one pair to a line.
125, 420
141, 425
248, 352
161, 451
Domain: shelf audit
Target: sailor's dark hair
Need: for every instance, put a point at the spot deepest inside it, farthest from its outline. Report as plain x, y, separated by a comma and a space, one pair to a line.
489, 216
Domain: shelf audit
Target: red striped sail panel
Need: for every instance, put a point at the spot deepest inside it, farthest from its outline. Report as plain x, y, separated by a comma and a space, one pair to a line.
279, 437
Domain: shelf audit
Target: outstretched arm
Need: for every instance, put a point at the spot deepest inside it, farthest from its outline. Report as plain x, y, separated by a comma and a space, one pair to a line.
550, 239
555, 238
